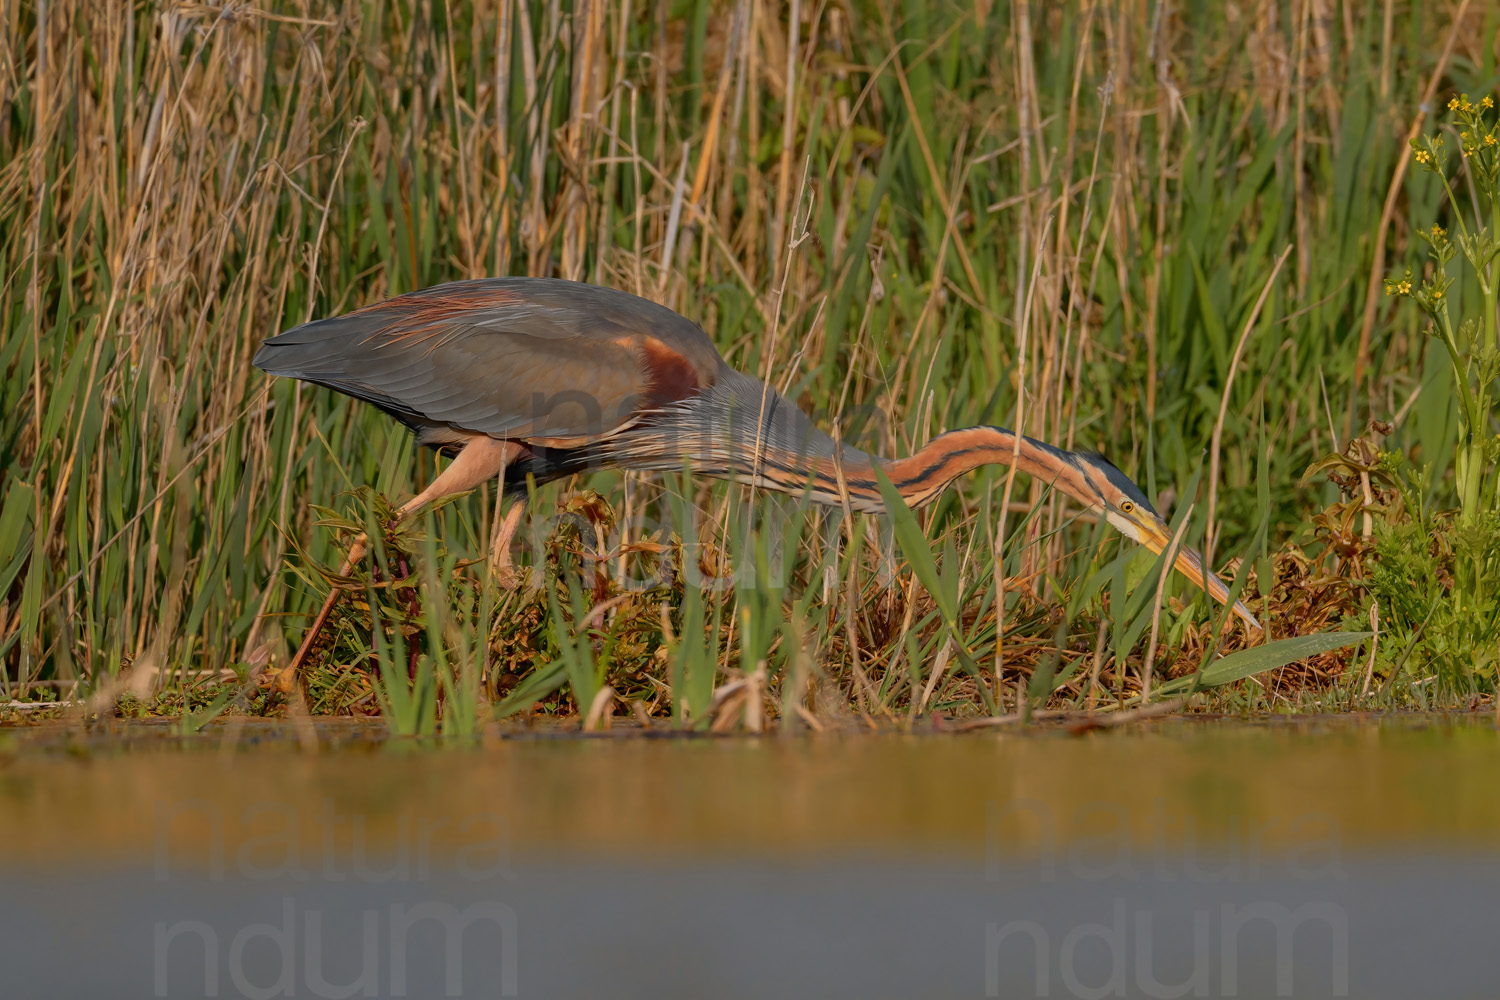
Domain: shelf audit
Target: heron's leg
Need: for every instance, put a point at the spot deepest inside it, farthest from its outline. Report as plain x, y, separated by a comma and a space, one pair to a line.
482, 458
500, 551
288, 675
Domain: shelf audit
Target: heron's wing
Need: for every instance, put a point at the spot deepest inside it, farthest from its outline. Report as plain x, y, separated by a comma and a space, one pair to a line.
528, 359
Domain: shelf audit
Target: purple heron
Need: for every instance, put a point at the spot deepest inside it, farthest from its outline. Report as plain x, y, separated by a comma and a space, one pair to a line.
540, 377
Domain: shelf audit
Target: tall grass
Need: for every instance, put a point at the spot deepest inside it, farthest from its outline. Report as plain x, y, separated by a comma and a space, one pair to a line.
910, 216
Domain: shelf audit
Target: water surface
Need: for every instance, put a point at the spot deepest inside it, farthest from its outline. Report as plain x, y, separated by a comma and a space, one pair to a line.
1318, 857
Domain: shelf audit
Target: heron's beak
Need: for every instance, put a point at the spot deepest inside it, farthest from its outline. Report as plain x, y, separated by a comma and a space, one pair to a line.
1155, 535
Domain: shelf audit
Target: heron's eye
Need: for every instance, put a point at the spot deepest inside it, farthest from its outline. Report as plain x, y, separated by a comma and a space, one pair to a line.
1127, 507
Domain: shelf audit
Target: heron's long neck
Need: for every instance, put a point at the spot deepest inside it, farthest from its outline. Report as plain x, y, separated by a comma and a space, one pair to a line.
739, 429
921, 478
924, 475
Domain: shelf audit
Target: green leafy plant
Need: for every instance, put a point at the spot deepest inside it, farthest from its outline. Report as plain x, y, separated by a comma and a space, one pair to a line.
1472, 342
1437, 573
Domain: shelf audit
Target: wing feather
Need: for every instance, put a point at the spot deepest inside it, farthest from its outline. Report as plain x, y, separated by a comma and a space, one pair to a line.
521, 358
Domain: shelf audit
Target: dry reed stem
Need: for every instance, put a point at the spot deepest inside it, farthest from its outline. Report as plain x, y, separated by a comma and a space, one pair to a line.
1022, 330
1168, 557
1216, 439
1377, 263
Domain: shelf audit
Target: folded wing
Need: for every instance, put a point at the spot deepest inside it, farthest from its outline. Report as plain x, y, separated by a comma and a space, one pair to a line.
552, 362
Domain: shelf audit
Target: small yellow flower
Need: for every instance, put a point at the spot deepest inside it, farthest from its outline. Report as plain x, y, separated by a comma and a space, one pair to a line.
1489, 140
1404, 287
1437, 293
1421, 155
1438, 231
1464, 134
1453, 104
1487, 102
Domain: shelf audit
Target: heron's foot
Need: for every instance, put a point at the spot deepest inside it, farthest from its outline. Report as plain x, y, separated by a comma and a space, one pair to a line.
506, 573
287, 679
283, 680
500, 564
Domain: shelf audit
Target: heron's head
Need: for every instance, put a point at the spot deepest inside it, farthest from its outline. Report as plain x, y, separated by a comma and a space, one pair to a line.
1110, 492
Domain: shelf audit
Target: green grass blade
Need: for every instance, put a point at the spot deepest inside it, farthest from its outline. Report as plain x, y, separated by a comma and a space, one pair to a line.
1258, 659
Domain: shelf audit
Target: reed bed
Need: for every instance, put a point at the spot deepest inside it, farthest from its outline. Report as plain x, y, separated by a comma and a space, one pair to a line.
1153, 230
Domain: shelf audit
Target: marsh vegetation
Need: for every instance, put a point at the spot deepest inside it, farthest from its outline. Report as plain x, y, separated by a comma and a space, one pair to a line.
1159, 232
